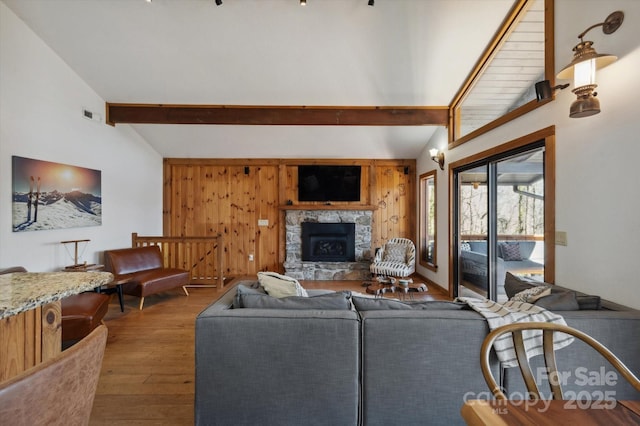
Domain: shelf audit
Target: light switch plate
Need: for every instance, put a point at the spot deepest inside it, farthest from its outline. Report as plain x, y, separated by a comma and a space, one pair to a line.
263, 222
561, 238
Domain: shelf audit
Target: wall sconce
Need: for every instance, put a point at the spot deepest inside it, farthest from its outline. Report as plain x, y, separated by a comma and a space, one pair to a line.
545, 91
583, 68
437, 157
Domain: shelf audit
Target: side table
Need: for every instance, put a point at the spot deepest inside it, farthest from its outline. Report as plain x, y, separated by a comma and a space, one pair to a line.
110, 288
84, 267
381, 285
405, 286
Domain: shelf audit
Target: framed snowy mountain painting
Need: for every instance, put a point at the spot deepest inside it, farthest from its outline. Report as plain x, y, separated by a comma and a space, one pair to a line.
50, 195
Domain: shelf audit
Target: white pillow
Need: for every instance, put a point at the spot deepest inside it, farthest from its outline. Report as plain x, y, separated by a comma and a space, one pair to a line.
277, 285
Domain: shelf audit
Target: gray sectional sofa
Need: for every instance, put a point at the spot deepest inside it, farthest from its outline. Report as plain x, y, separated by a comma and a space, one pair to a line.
373, 364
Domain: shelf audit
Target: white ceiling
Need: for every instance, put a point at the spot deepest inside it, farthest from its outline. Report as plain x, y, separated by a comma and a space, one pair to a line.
271, 52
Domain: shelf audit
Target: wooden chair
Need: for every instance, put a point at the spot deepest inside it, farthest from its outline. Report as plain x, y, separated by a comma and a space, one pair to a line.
549, 356
59, 391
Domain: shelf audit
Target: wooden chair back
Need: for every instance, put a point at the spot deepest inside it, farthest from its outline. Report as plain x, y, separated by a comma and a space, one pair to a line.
547, 329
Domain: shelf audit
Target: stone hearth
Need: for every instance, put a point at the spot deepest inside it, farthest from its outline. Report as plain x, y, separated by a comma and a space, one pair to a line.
296, 268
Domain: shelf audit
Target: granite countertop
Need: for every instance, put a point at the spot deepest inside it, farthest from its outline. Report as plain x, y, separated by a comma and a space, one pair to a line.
22, 291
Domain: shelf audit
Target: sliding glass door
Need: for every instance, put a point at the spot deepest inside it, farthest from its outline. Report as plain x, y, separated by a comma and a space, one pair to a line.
499, 207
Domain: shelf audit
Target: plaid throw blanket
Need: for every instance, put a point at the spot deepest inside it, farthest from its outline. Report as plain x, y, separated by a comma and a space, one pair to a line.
509, 312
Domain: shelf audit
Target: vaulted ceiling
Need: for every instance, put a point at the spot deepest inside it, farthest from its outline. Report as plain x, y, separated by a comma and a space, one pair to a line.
271, 52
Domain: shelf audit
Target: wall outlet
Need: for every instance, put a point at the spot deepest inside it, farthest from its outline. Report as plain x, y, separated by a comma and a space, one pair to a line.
561, 238
251, 257
263, 222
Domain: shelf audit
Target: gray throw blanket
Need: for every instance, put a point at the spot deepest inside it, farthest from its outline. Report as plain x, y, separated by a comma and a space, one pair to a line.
510, 312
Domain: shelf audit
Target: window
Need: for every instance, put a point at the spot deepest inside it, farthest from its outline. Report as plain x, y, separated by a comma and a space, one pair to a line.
427, 247
501, 86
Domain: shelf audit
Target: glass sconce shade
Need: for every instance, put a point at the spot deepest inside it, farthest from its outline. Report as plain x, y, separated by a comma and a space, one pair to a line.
584, 73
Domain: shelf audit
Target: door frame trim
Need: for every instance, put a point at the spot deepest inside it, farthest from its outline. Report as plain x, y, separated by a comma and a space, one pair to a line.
548, 135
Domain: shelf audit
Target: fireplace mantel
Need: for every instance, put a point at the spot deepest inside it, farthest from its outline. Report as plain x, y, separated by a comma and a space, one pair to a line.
327, 207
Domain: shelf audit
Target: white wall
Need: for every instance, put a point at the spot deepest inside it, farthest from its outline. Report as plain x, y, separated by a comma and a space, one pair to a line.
41, 101
597, 178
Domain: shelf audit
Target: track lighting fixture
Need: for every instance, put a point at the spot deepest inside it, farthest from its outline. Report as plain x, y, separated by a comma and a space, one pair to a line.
218, 2
303, 2
371, 2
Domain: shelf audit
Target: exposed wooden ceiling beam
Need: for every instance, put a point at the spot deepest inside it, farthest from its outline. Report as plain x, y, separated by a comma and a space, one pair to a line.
277, 115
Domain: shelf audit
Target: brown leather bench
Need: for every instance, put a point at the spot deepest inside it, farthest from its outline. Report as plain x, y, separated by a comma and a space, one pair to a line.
82, 313
141, 272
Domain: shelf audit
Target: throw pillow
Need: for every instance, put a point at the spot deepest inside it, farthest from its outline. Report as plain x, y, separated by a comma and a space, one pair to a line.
510, 251
241, 290
371, 304
394, 252
514, 284
532, 294
331, 301
561, 301
277, 285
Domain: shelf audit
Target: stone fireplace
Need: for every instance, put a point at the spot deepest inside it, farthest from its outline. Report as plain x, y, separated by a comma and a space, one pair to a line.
328, 244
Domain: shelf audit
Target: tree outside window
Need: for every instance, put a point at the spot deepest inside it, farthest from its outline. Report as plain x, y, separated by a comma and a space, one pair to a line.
427, 198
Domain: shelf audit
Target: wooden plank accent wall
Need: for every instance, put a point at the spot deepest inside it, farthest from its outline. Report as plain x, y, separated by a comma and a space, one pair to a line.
204, 197
394, 196
30, 338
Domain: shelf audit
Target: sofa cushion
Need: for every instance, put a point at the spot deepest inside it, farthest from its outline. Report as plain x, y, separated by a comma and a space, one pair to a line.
394, 252
478, 246
330, 301
561, 301
242, 289
379, 304
278, 285
152, 281
589, 302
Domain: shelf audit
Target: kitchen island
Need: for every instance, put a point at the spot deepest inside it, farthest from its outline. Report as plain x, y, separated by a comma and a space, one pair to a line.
30, 315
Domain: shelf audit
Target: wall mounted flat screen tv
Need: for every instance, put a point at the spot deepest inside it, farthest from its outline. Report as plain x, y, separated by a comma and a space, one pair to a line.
329, 183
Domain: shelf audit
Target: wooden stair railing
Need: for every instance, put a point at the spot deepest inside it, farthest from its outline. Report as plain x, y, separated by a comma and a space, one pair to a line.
201, 256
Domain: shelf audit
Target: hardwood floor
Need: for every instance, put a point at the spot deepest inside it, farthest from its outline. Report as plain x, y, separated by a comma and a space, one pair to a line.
147, 374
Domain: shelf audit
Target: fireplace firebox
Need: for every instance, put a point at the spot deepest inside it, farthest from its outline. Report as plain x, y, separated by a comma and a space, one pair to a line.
328, 242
